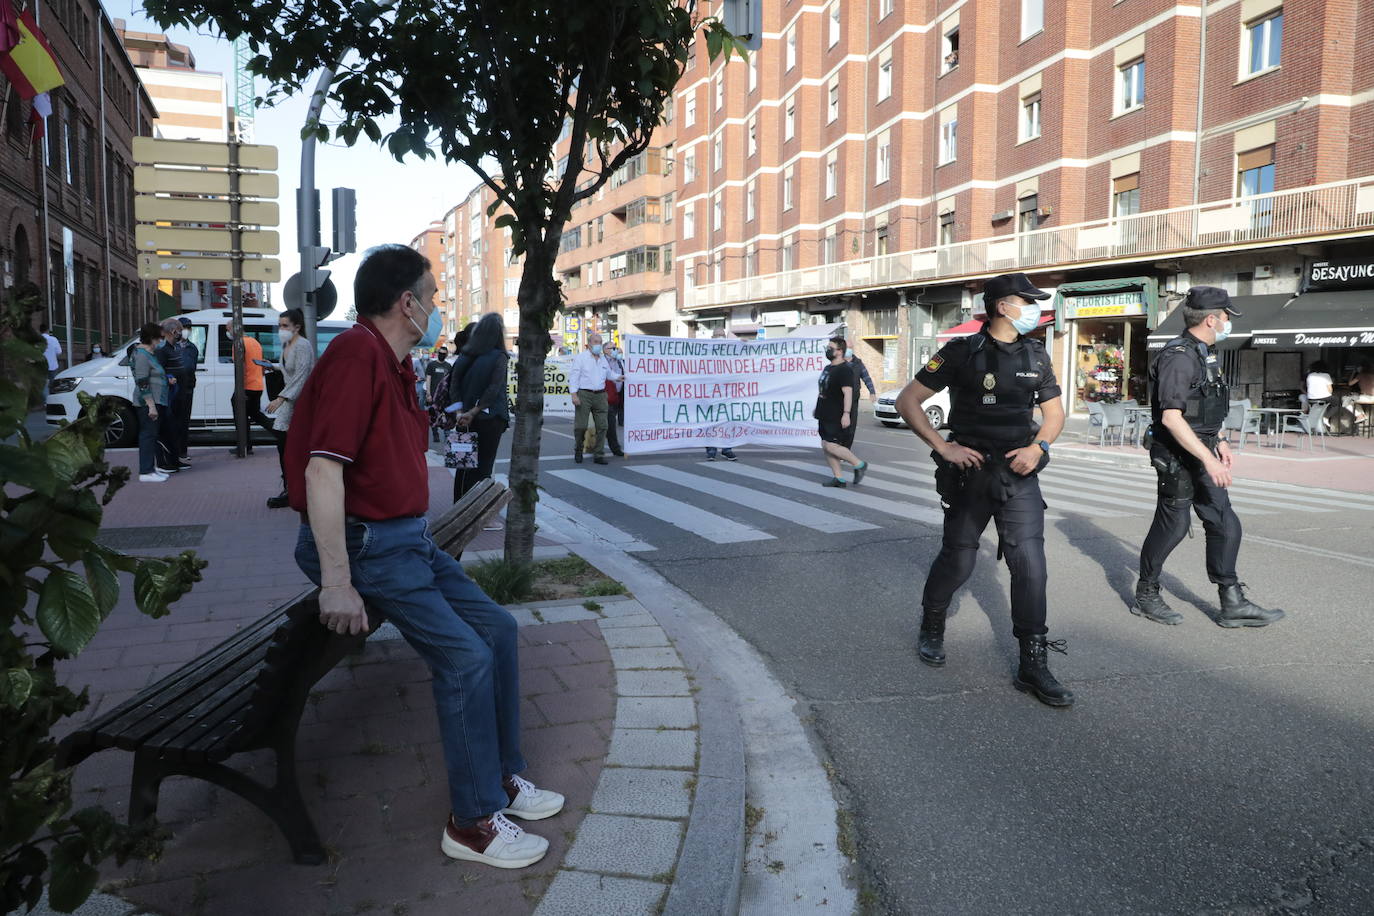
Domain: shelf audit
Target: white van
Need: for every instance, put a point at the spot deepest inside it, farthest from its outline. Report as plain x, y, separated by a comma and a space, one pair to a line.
211, 410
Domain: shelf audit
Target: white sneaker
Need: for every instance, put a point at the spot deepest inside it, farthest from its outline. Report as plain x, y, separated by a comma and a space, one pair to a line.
152, 478
532, 803
495, 841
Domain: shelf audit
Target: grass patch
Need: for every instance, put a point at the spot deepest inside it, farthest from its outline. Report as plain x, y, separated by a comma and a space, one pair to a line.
602, 587
505, 582
752, 815
564, 568
591, 606
562, 578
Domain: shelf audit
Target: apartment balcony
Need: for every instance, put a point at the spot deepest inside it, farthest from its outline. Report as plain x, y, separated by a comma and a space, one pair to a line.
1313, 213
630, 287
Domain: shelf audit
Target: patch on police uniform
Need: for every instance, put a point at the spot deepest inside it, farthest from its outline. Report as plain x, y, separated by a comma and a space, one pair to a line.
989, 381
935, 363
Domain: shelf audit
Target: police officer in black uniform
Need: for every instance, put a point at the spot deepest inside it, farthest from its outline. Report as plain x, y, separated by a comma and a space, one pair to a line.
987, 469
1189, 401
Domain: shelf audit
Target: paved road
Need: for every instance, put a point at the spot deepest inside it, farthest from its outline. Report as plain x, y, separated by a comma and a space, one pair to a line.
1202, 770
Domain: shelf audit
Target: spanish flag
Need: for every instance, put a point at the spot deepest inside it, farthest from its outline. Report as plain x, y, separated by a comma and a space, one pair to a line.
30, 65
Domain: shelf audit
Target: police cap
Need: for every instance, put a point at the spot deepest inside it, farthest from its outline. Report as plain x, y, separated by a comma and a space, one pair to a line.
1008, 285
1208, 298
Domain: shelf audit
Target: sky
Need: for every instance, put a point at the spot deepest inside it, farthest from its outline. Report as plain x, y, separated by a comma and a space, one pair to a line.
396, 201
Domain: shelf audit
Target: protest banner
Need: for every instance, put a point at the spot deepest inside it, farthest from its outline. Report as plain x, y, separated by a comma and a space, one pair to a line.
695, 392
557, 396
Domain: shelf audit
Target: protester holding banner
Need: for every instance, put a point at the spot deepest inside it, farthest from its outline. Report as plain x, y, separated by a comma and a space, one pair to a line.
590, 373
615, 402
835, 411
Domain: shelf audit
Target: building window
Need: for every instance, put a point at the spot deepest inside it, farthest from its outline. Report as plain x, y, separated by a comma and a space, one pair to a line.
643, 210
717, 212
1131, 79
880, 241
753, 136
884, 9
1030, 117
1126, 195
1256, 176
884, 169
668, 207
1032, 17
689, 166
885, 74
789, 119
791, 47
718, 153
689, 221
753, 72
666, 257
749, 202
718, 87
834, 18
787, 175
949, 140
1028, 213
832, 174
1263, 41
68, 141
830, 247
947, 228
950, 50
832, 109
789, 254
689, 110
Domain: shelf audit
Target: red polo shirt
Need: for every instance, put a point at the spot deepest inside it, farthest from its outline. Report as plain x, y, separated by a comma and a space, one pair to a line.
358, 407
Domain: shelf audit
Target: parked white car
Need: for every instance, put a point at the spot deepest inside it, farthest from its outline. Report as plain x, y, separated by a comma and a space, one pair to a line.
211, 410
885, 408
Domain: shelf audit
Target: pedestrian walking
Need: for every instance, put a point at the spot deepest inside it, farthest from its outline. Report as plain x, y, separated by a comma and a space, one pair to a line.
477, 397
180, 373
861, 375
590, 373
355, 458
1189, 400
436, 374
836, 416
727, 453
615, 402
186, 389
253, 385
297, 359
52, 349
150, 398
987, 470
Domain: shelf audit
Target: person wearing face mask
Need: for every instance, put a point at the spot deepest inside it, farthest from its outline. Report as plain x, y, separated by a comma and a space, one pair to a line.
1190, 399
356, 469
987, 470
180, 368
186, 388
836, 415
615, 401
590, 373
297, 359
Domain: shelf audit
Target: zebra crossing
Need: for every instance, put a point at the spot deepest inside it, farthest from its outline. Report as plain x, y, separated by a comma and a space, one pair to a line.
765, 497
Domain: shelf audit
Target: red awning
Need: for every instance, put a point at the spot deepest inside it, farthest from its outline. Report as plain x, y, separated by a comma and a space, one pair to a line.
976, 325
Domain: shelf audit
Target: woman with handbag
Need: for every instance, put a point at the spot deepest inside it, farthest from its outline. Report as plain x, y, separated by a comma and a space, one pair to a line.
297, 359
477, 395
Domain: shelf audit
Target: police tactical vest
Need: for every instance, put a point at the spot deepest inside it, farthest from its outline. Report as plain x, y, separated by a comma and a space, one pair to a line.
1209, 398
992, 398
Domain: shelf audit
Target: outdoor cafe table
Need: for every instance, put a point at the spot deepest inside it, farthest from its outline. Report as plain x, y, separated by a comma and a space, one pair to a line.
1133, 416
1276, 415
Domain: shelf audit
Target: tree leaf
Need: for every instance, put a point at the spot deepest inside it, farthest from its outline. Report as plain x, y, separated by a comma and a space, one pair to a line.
103, 581
26, 467
73, 879
67, 612
67, 454
15, 685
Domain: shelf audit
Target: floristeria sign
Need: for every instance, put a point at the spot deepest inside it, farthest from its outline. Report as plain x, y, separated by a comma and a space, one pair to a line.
686, 392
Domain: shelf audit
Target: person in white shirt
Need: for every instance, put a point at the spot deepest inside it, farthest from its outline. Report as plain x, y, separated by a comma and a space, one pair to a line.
1320, 386
52, 349
590, 372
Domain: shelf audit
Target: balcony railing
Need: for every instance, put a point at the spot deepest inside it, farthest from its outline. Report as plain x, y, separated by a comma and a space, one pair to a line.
1336, 209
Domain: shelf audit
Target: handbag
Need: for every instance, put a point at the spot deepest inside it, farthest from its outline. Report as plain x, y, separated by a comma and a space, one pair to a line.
462, 449
612, 393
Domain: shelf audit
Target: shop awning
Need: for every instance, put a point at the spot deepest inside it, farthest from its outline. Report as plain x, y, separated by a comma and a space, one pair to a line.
976, 325
1258, 310
1342, 318
817, 330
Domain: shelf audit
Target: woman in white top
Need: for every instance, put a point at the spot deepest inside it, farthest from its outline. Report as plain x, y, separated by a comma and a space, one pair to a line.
297, 359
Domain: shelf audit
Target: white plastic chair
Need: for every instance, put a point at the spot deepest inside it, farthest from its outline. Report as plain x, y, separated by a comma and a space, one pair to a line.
1114, 416
1250, 423
1307, 424
1098, 417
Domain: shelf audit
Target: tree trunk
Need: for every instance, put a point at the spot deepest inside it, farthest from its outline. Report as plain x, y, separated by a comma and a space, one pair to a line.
538, 298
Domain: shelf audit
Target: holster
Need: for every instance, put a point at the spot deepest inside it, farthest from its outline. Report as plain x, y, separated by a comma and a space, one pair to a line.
950, 480
1175, 481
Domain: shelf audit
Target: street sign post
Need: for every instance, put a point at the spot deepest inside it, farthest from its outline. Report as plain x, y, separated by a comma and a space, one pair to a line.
208, 183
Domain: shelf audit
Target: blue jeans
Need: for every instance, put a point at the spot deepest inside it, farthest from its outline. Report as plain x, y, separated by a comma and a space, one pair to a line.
467, 640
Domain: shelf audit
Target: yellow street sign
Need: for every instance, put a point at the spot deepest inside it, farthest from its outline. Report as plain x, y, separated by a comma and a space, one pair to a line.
167, 238
150, 180
149, 151
157, 266
150, 209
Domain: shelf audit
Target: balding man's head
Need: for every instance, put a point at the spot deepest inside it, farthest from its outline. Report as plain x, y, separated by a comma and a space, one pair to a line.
593, 339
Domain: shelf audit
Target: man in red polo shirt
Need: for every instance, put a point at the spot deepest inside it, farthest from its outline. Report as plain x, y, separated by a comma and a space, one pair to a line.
356, 470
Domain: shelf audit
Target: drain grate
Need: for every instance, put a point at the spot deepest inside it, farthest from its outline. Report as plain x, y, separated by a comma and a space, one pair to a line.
153, 537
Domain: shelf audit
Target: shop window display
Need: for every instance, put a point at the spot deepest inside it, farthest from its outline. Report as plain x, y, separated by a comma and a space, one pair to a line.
1111, 362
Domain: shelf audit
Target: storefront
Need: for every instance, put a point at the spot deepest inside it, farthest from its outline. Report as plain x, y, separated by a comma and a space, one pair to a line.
1249, 371
1105, 325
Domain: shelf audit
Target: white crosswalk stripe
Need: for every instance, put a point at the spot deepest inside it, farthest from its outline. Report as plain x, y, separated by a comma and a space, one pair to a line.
1145, 482
674, 512
1066, 499
787, 509
853, 496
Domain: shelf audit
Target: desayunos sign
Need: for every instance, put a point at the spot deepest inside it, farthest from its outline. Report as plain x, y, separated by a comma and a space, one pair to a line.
1354, 273
694, 392
1314, 339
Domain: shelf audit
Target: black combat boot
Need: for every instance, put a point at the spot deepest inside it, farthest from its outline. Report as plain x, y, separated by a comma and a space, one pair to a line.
1238, 611
1034, 674
1151, 606
930, 645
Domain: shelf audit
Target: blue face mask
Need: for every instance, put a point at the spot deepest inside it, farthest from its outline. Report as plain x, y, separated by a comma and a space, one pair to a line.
432, 330
1224, 331
161, 343
596, 349
1027, 320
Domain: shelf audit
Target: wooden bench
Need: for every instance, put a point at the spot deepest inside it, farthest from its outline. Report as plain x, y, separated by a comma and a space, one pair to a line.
247, 694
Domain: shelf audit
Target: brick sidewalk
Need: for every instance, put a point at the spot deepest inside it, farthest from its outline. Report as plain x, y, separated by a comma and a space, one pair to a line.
371, 764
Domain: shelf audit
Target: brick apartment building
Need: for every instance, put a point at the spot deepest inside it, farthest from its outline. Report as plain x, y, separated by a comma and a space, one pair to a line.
478, 272
430, 243
873, 161
80, 180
